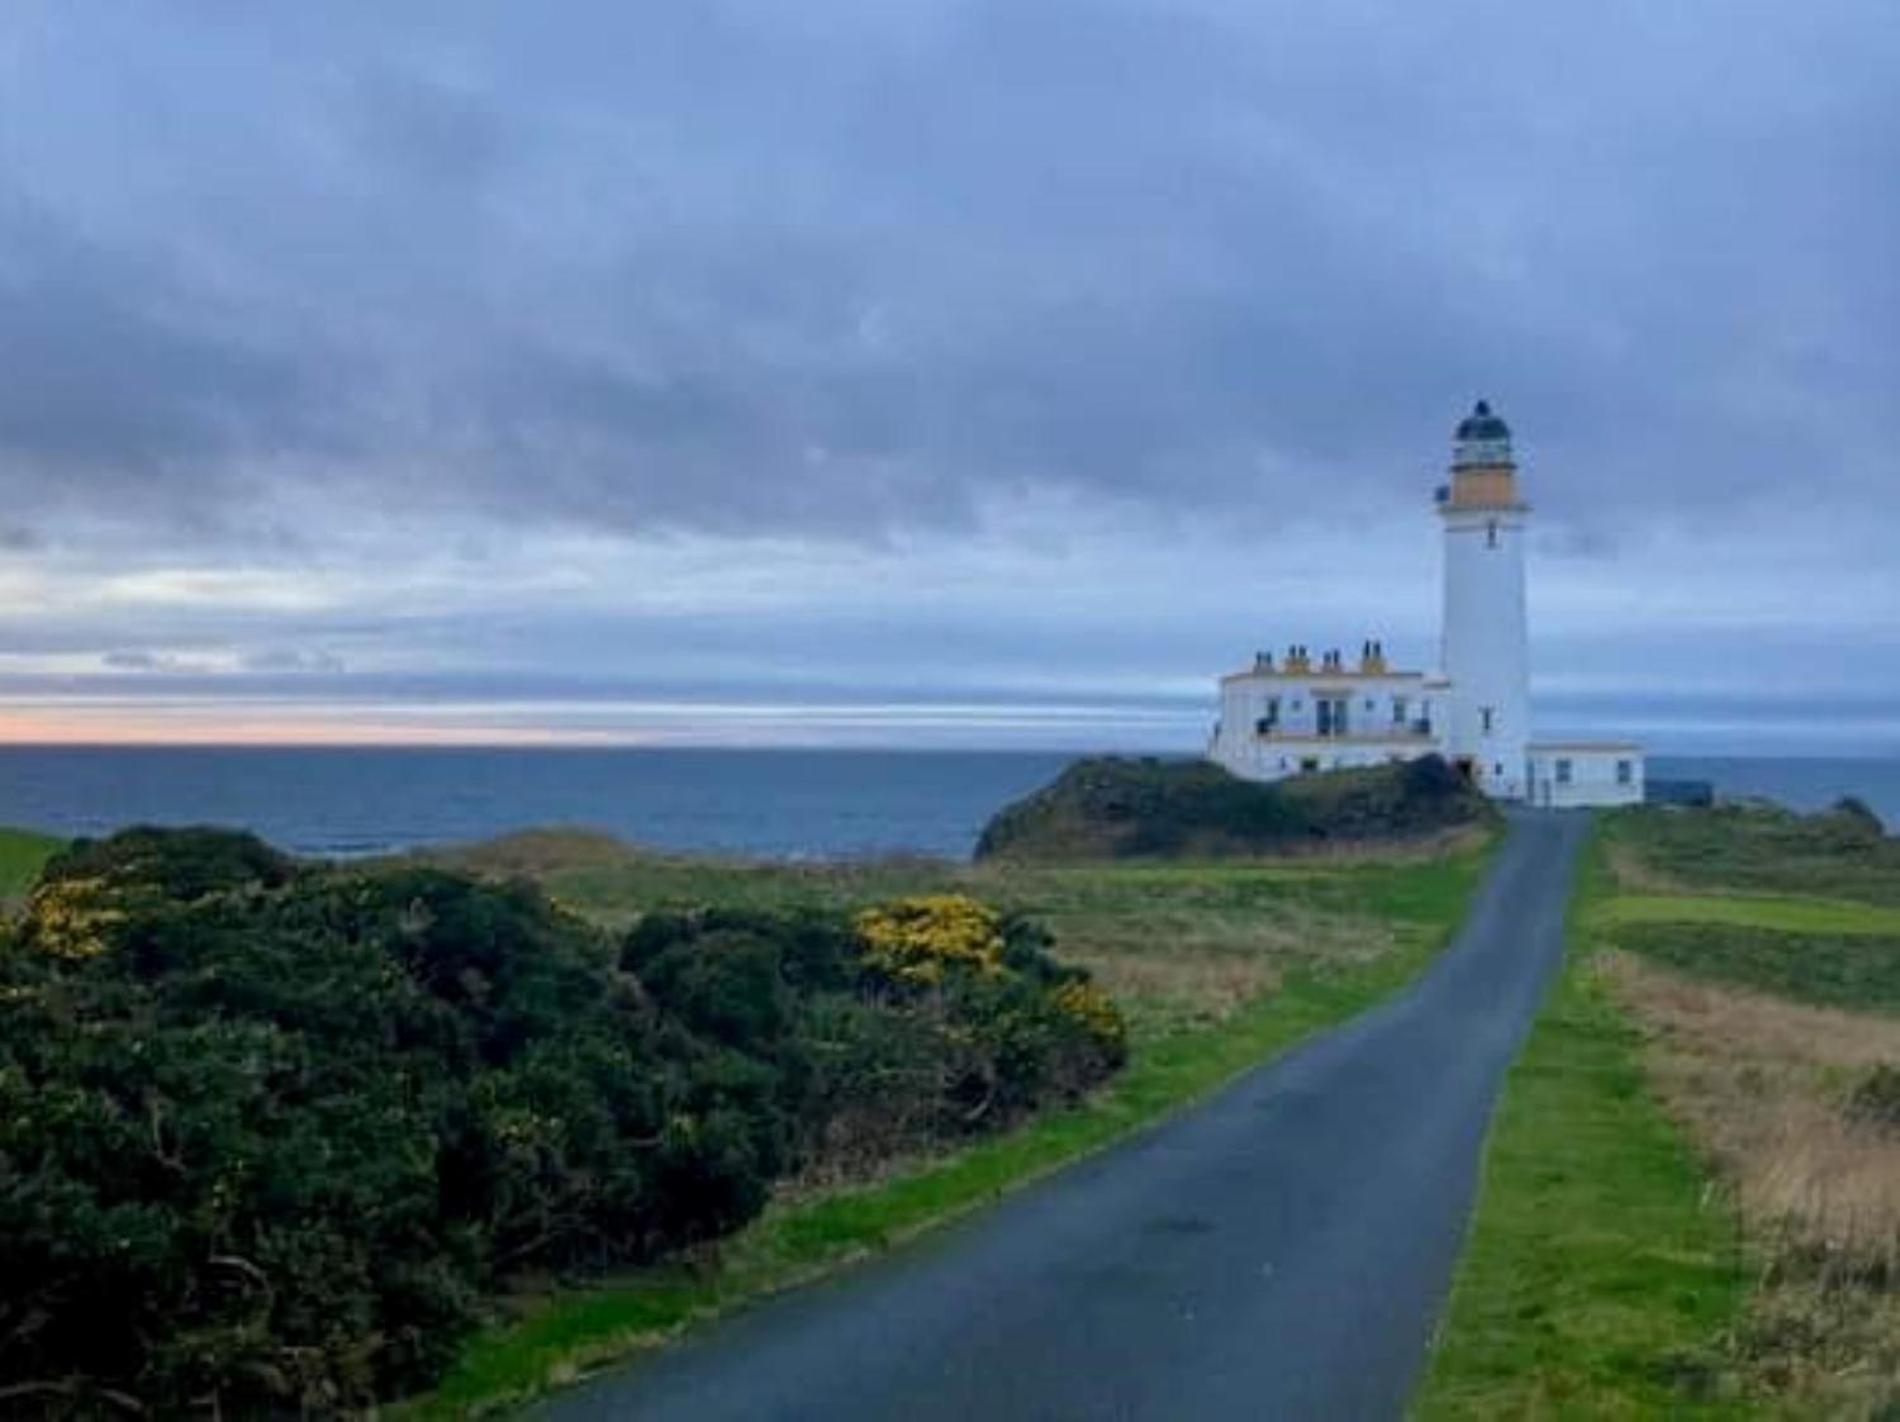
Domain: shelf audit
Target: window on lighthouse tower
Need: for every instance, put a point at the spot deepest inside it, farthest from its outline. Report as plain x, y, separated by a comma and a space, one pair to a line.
1491, 534
1487, 716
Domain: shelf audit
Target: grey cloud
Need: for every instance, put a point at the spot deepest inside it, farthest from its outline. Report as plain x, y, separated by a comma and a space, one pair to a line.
737, 271
301, 288
292, 659
142, 660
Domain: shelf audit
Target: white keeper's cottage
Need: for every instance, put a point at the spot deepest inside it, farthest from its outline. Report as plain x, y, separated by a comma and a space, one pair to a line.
1321, 712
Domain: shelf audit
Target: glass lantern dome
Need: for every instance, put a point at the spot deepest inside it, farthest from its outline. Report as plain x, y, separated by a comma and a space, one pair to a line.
1481, 439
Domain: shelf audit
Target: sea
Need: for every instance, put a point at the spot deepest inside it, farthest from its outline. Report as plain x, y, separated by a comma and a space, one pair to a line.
346, 802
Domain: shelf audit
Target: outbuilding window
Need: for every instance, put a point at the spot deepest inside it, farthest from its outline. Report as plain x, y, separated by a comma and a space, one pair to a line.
1625, 772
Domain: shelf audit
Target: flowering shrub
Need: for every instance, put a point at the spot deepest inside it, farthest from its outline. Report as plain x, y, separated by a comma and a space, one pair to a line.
270, 1132
70, 918
915, 940
1097, 1013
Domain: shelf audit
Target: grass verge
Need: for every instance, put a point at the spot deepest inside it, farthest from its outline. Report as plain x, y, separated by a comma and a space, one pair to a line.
1601, 1275
1784, 915
22, 852
796, 1242
1860, 972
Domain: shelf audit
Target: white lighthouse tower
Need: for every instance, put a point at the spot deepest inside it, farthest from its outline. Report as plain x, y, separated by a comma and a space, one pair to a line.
1307, 711
1486, 651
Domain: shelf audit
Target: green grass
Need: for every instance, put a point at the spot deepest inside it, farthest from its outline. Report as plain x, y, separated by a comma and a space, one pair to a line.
1830, 952
1850, 970
1601, 1274
1781, 914
1761, 850
22, 852
1173, 1064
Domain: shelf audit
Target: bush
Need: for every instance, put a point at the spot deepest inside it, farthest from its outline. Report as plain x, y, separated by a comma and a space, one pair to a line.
269, 1134
1114, 807
915, 1022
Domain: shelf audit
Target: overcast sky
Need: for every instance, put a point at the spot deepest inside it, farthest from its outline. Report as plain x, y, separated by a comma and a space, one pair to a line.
934, 373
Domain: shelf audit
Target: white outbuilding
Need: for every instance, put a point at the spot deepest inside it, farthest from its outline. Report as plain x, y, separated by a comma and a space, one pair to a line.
1325, 712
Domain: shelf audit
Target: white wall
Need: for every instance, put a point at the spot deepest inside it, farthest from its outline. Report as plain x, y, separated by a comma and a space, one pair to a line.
1296, 744
1566, 777
1487, 645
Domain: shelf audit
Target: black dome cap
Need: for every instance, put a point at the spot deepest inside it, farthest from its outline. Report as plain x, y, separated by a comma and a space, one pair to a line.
1482, 424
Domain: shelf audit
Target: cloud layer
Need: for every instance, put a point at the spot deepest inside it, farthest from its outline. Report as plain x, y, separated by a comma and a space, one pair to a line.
1006, 355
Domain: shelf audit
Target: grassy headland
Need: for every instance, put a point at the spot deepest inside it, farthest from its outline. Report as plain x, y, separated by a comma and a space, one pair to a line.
278, 1134
1692, 1191
1216, 965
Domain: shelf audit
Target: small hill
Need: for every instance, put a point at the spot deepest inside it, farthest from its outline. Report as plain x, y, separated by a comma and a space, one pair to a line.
1114, 807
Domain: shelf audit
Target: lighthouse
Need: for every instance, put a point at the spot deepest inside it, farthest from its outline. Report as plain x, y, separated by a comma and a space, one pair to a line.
1485, 651
1307, 711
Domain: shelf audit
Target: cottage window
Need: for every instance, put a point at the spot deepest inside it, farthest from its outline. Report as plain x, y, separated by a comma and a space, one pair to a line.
1398, 710
1563, 772
1625, 772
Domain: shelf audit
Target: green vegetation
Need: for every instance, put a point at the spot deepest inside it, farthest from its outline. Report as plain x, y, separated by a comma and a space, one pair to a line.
1759, 849
1850, 970
1783, 915
1692, 1192
22, 853
270, 1133
1773, 1031
1217, 966
1599, 1276
1179, 944
1115, 808
276, 1136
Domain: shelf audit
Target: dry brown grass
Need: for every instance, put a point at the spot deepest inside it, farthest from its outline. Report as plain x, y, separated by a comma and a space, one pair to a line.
1634, 875
1761, 1083
1177, 965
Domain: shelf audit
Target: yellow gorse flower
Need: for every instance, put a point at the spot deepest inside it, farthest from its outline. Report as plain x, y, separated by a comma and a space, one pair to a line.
915, 939
1094, 1009
67, 917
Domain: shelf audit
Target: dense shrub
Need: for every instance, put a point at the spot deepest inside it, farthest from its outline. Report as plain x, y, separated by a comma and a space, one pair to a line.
1117, 807
918, 1020
269, 1133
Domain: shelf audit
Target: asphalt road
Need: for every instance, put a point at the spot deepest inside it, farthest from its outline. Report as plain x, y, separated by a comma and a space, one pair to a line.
1280, 1252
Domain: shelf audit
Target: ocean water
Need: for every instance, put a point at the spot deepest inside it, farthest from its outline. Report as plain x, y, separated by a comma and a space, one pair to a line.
350, 801
783, 803
1801, 783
